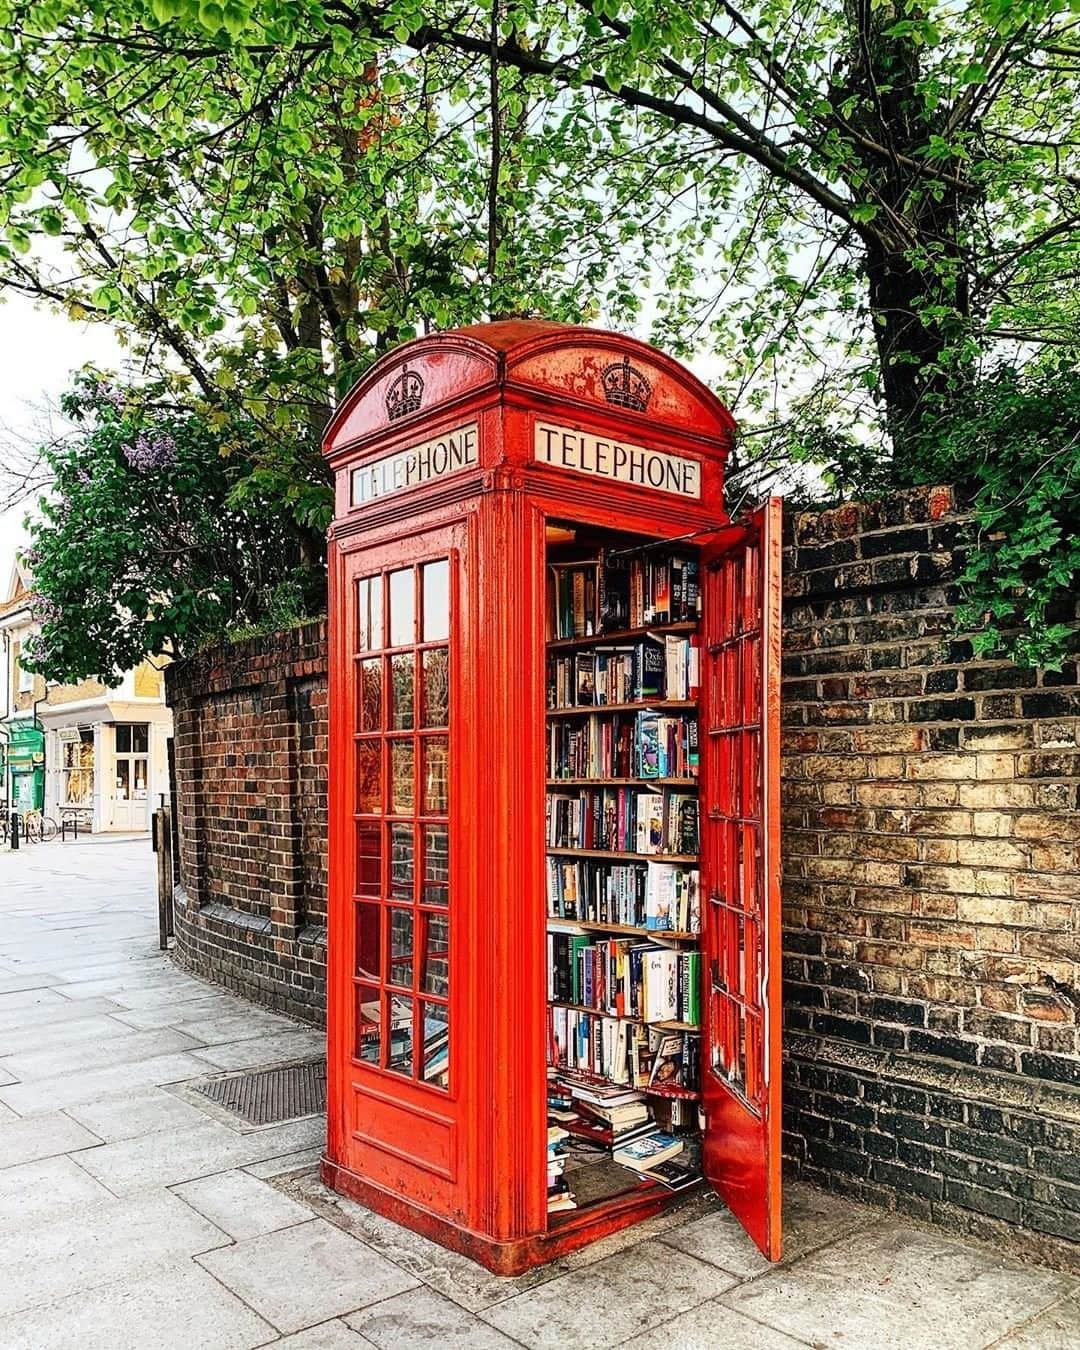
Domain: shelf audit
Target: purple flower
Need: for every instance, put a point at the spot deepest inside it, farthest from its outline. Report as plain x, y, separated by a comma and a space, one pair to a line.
44, 610
155, 451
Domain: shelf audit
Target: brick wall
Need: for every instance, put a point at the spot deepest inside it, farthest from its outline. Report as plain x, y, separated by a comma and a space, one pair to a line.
931, 888
250, 753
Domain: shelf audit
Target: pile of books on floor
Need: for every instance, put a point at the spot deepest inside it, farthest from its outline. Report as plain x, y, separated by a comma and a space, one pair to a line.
660, 1156
559, 1194
619, 1120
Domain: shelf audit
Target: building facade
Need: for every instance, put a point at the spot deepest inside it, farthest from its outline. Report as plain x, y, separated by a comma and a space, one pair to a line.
86, 752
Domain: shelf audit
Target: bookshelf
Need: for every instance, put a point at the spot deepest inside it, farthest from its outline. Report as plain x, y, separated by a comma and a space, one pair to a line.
622, 842
620, 635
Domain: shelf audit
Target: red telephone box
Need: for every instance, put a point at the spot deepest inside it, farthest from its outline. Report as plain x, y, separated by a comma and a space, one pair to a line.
554, 760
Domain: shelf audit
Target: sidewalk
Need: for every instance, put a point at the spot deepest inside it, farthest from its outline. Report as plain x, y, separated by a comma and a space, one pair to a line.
133, 1217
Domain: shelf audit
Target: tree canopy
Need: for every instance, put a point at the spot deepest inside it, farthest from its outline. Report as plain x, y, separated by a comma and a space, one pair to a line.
850, 213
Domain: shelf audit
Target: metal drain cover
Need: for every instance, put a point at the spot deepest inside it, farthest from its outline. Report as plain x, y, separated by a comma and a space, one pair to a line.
269, 1096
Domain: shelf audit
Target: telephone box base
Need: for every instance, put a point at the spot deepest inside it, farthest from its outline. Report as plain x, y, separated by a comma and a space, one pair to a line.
574, 1229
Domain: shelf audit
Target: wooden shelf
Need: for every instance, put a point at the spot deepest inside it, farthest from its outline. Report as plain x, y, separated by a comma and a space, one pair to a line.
599, 1012
623, 782
625, 857
639, 705
629, 929
621, 635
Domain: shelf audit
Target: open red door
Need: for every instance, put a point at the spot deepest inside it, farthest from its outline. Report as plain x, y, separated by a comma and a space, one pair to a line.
740, 720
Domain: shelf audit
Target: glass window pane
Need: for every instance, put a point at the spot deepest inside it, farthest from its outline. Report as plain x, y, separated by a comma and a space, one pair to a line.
435, 890
139, 768
437, 600
368, 777
123, 740
436, 1069
402, 608
400, 1058
436, 781
402, 790
122, 787
368, 932
368, 858
401, 948
369, 614
369, 699
139, 743
368, 1023
401, 690
436, 969
436, 687
402, 861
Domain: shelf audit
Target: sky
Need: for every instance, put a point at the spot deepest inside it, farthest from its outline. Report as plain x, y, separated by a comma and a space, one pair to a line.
41, 350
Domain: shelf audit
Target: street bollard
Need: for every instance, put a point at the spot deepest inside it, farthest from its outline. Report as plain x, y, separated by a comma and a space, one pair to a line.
14, 829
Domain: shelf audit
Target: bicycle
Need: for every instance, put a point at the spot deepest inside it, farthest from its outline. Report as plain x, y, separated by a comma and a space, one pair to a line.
38, 828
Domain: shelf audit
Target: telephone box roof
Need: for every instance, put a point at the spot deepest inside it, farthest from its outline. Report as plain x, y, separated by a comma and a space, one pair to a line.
577, 365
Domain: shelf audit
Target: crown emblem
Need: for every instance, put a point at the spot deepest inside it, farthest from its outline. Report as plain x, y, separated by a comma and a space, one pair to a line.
405, 395
625, 386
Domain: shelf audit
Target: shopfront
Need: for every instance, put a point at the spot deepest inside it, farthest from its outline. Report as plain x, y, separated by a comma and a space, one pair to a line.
107, 772
25, 767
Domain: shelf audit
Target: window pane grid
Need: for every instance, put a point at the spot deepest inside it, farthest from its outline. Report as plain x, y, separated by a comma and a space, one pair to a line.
401, 808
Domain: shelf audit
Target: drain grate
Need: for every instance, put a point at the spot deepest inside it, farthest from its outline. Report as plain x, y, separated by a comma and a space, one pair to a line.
269, 1096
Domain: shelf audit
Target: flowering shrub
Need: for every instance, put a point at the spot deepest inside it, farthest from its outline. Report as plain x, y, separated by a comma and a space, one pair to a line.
153, 540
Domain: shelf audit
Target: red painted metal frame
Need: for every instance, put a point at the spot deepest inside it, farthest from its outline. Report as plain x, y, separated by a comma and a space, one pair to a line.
468, 1167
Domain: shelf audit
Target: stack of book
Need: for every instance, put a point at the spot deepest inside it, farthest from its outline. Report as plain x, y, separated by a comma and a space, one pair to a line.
612, 591
623, 820
559, 1194
622, 978
658, 896
655, 666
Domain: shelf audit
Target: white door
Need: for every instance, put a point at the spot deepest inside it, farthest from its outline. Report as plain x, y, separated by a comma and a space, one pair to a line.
131, 767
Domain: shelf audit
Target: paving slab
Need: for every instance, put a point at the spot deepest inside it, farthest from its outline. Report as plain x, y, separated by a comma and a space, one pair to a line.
48, 1259
812, 1218
276, 1049
899, 1287
174, 1307
332, 1335
26, 1140
710, 1326
301, 1276
49, 1014
455, 1276
241, 1205
1056, 1329
76, 1059
14, 984
604, 1304
165, 1158
47, 1094
242, 1024
32, 997
57, 1035
128, 1115
288, 1163
49, 1186
177, 1014
420, 1319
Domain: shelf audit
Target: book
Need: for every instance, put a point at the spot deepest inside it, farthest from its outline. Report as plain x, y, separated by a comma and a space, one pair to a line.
674, 1173
648, 1150
667, 1067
